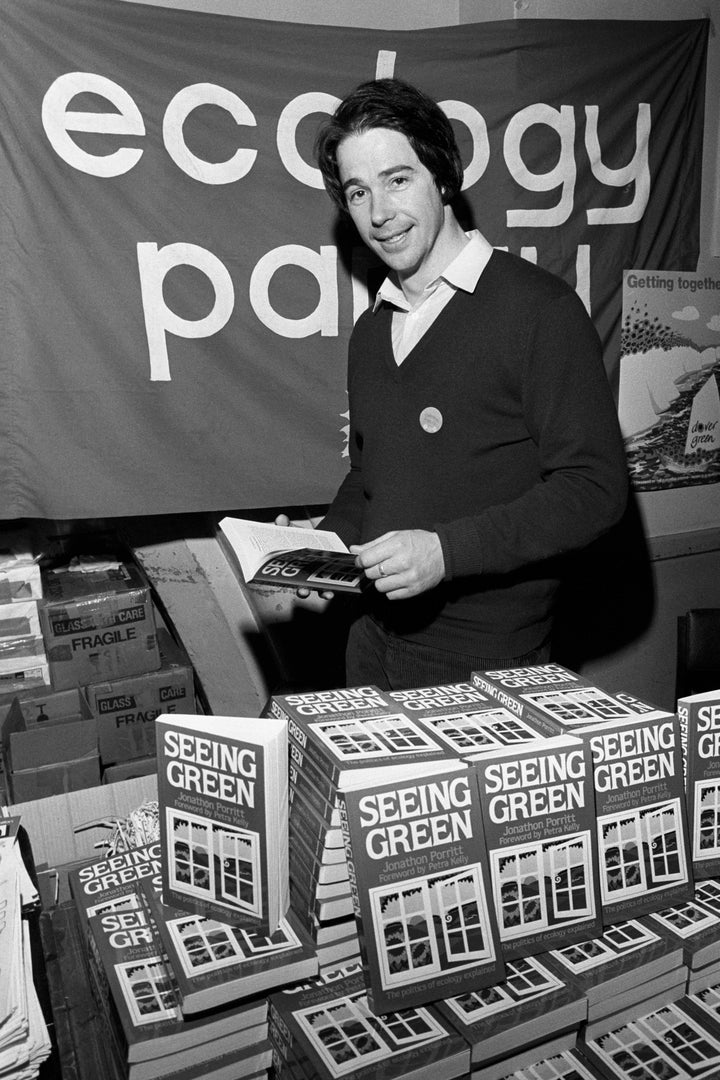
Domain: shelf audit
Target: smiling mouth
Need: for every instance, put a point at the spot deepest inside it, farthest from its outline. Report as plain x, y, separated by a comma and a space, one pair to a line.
389, 241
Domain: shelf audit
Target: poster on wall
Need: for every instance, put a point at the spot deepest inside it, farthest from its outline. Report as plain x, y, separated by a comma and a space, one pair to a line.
177, 291
669, 395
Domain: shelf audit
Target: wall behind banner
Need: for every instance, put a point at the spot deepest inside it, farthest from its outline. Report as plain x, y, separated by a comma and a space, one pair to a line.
630, 635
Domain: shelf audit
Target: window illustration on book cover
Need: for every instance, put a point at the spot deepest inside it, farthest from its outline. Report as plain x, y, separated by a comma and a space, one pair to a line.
667, 1044
222, 801
418, 873
149, 992
641, 853
532, 1003
313, 569
641, 814
462, 717
430, 926
214, 862
467, 733
706, 824
345, 1034
206, 945
539, 813
705, 1003
687, 919
616, 943
708, 893
362, 740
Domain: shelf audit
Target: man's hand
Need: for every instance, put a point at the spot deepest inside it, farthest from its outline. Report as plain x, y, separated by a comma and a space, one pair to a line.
404, 563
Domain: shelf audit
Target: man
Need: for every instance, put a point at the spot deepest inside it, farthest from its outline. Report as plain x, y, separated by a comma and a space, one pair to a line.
484, 440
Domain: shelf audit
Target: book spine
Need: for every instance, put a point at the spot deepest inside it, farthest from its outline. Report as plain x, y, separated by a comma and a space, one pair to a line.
100, 987
312, 775
301, 783
320, 871
307, 821
352, 878
302, 737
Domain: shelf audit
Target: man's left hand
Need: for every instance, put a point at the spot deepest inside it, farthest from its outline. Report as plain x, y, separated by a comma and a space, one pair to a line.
402, 564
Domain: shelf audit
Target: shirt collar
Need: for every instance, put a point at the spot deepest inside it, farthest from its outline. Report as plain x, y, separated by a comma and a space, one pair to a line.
463, 272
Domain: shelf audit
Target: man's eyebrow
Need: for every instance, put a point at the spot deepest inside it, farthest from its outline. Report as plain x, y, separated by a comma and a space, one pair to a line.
383, 175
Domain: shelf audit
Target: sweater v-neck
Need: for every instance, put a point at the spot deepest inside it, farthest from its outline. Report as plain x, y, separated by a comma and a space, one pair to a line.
414, 357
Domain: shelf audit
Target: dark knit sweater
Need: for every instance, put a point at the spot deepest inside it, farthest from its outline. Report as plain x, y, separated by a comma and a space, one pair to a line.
527, 464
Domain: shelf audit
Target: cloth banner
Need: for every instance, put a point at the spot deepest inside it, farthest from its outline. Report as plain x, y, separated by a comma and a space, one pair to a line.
176, 289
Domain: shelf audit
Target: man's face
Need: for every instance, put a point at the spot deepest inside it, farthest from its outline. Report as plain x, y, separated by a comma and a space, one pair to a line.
394, 202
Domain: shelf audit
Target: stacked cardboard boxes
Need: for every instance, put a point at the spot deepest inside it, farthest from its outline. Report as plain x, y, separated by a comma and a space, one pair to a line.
110, 669
23, 661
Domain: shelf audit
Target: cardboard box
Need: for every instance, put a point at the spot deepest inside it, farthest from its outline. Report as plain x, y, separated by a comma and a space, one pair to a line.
34, 677
67, 829
127, 770
21, 653
41, 783
43, 707
20, 619
125, 709
98, 624
48, 760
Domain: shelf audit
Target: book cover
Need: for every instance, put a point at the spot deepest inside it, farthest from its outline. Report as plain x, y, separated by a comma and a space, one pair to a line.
217, 964
700, 724
622, 959
666, 1043
539, 816
565, 1065
695, 924
642, 827
291, 557
463, 718
417, 864
532, 1003
109, 884
327, 1031
223, 812
137, 992
555, 699
357, 728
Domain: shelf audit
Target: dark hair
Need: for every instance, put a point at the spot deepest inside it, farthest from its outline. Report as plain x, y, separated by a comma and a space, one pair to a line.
394, 104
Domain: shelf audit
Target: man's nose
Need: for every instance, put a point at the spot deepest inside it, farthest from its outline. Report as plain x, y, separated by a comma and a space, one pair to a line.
381, 209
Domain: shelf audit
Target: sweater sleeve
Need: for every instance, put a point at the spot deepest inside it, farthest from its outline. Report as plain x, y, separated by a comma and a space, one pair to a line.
571, 416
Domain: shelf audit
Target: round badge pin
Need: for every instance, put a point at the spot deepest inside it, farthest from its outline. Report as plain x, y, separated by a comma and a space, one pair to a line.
431, 420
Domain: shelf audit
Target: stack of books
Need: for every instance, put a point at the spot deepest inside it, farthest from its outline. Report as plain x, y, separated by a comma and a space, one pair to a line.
185, 935
675, 1041
533, 1005
557, 700
700, 725
695, 926
340, 738
325, 1030
622, 973
24, 1039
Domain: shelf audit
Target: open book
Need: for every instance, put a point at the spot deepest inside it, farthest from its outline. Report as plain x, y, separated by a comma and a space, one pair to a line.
291, 557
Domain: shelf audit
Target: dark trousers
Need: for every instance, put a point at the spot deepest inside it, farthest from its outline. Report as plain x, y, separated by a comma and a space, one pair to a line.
377, 658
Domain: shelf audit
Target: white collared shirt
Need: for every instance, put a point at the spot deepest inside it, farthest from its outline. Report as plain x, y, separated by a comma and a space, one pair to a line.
411, 321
